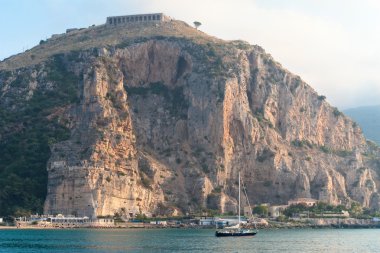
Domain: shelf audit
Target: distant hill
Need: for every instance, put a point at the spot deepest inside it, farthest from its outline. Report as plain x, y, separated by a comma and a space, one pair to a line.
368, 117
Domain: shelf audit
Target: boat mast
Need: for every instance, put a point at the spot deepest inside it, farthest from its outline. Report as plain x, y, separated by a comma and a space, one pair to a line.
239, 197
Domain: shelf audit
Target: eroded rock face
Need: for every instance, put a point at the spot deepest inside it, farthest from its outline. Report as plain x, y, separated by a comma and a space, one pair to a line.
167, 124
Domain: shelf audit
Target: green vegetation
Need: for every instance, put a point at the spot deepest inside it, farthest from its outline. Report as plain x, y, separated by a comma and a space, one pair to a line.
175, 97
205, 168
146, 182
217, 189
355, 210
319, 208
240, 44
145, 168
302, 143
26, 137
336, 112
260, 210
197, 24
129, 42
259, 115
141, 217
325, 149
355, 184
343, 153
120, 174
266, 154
146, 173
268, 183
296, 83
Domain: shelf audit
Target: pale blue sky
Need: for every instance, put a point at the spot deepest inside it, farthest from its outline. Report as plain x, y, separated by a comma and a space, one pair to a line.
334, 45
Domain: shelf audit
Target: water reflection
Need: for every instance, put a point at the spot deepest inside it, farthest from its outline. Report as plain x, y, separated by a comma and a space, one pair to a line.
181, 240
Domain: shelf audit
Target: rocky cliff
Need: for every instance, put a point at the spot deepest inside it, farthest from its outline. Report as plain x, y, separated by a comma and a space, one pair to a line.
160, 118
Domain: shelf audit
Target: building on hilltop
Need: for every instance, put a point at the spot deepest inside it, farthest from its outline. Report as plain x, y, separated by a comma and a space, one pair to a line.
153, 17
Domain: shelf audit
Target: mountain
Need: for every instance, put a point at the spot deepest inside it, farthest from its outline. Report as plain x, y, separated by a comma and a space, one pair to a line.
160, 118
368, 117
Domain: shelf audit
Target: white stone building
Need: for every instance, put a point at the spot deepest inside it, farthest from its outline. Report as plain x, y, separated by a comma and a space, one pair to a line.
120, 20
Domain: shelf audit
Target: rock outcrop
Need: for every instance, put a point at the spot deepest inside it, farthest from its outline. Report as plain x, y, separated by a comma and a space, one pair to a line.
167, 122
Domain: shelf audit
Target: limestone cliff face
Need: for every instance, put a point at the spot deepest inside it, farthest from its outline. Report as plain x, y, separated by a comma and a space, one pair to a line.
167, 123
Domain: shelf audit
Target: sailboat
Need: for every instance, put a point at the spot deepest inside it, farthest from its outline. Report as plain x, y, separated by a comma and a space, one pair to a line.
236, 230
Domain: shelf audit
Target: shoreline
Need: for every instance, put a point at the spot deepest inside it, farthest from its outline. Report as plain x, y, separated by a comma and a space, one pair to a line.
269, 227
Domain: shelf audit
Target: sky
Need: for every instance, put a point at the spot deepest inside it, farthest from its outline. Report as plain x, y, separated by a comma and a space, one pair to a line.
334, 45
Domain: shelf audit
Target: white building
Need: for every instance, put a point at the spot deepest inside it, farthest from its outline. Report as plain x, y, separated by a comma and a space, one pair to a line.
152, 17
276, 211
159, 222
71, 221
206, 221
303, 201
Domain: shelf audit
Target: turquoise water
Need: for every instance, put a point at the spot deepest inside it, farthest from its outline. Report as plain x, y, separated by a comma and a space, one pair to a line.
189, 240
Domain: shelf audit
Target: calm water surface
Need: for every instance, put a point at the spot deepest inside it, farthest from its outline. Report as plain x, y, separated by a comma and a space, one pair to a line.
189, 240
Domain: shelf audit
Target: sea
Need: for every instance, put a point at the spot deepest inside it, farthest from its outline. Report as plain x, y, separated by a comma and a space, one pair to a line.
188, 240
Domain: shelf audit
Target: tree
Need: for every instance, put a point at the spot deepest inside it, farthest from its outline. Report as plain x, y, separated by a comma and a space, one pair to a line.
356, 209
197, 24
295, 209
141, 217
260, 210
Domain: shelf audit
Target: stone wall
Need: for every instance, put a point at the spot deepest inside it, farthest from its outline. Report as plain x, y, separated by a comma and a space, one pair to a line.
120, 20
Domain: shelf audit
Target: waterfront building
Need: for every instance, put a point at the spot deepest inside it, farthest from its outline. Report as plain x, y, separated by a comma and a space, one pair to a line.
205, 221
159, 222
65, 221
303, 201
276, 211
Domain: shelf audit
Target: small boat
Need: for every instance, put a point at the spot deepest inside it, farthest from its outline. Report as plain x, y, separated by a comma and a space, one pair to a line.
238, 229
235, 231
